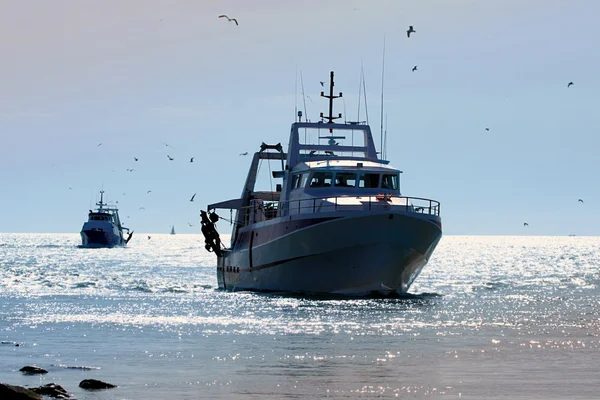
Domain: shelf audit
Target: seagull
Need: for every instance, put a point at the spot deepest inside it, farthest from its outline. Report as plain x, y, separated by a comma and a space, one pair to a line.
135, 158
130, 170
410, 30
414, 68
229, 19
99, 144
244, 153
190, 225
525, 224
322, 83
141, 208
570, 84
170, 158
167, 144
149, 191
192, 159
70, 188
579, 200
192, 199
487, 129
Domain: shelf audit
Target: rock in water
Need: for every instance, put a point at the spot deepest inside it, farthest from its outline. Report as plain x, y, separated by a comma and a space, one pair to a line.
33, 370
95, 384
10, 392
52, 390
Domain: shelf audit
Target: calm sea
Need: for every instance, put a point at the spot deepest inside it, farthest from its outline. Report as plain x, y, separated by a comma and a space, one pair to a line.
490, 318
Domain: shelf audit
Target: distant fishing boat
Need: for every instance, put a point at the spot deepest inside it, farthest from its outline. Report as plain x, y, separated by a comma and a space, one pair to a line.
173, 230
103, 228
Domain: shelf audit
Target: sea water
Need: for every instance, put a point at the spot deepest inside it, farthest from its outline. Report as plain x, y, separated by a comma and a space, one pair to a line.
489, 318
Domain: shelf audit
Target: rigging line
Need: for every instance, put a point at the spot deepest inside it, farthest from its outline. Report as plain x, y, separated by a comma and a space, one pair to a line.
382, 81
296, 94
359, 91
385, 138
303, 96
365, 94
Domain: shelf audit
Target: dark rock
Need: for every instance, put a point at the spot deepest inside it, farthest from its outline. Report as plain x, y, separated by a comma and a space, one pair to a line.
33, 370
92, 384
10, 392
52, 390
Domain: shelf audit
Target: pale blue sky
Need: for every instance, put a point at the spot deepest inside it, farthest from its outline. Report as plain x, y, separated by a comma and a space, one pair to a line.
134, 74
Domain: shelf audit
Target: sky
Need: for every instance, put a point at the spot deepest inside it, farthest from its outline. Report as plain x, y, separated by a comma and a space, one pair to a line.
134, 75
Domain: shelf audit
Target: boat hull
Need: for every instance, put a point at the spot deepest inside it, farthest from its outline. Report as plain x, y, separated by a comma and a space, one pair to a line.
99, 238
341, 255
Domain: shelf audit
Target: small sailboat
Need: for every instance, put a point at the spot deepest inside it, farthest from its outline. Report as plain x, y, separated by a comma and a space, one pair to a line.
172, 230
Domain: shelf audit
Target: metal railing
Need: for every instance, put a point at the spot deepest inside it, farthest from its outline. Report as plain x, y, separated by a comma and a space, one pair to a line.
265, 210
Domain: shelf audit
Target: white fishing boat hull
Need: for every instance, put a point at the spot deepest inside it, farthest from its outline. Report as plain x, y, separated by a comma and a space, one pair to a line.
347, 255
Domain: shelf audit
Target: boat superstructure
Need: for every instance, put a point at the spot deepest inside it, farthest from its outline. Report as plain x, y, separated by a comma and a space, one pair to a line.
103, 227
336, 222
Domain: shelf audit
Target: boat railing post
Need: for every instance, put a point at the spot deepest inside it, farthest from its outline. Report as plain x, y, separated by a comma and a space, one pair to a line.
314, 204
335, 209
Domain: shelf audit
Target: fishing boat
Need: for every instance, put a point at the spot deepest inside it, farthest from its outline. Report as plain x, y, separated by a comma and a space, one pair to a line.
103, 227
335, 224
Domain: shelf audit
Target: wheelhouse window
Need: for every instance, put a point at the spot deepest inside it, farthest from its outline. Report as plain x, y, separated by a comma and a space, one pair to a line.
345, 179
321, 179
389, 181
368, 181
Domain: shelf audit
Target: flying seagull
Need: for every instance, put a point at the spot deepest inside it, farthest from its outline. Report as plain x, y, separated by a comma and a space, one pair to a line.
579, 200
99, 144
170, 158
168, 145
135, 158
192, 199
322, 83
229, 19
410, 30
487, 129
192, 159
130, 170
570, 84
190, 225
414, 68
525, 224
244, 153
142, 208
149, 191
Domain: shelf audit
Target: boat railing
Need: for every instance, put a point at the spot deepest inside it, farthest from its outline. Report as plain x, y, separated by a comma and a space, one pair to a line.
260, 210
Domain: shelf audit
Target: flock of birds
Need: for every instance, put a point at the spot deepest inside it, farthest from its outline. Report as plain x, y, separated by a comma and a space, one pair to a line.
410, 31
136, 159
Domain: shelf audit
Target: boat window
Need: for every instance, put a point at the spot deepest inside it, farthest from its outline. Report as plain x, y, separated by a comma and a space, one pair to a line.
345, 179
303, 180
389, 181
295, 181
368, 181
321, 179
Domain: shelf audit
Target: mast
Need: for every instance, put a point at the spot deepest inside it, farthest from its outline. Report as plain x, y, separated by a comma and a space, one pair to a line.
101, 203
331, 97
